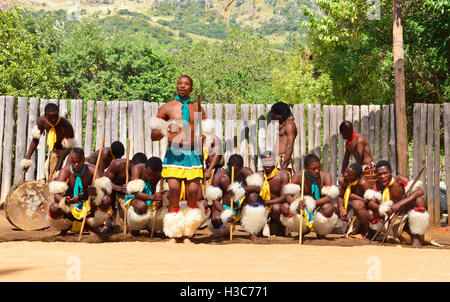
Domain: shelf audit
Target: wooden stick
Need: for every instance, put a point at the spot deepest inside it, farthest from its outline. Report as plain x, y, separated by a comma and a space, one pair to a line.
93, 180
156, 210
300, 230
231, 203
126, 182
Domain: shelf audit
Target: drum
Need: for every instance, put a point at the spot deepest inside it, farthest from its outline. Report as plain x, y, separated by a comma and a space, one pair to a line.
27, 205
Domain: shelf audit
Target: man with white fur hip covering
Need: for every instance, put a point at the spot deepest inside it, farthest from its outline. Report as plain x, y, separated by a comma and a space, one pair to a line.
182, 161
393, 200
272, 191
60, 140
141, 202
352, 192
222, 190
318, 211
71, 191
117, 173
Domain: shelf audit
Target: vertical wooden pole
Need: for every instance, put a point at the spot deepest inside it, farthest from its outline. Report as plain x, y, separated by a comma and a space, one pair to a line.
437, 164
317, 126
21, 136
244, 134
430, 163
89, 127
253, 135
385, 133
8, 146
326, 138
400, 114
302, 134
310, 128
447, 152
32, 122
333, 143
392, 139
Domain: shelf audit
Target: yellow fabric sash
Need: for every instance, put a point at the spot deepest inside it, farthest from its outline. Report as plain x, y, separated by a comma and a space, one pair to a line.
51, 137
386, 193
205, 153
183, 191
347, 193
265, 190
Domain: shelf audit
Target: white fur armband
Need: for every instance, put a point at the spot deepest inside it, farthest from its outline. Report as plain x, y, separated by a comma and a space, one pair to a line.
291, 189
225, 216
25, 163
157, 123
213, 193
135, 186
310, 203
58, 187
104, 183
237, 189
255, 180
331, 191
372, 194
68, 143
418, 185
36, 133
208, 127
384, 207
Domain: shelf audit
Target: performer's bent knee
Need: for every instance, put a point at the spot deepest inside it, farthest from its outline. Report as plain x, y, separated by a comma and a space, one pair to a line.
327, 209
140, 207
55, 211
420, 202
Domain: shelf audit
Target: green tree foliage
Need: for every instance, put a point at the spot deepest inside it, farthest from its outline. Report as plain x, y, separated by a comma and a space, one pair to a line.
237, 70
25, 68
297, 81
356, 51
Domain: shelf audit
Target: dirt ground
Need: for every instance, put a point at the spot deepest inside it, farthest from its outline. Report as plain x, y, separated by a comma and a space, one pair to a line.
45, 256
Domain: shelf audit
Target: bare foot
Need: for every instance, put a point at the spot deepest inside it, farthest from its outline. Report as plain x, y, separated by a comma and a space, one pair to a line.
187, 241
416, 242
252, 237
173, 240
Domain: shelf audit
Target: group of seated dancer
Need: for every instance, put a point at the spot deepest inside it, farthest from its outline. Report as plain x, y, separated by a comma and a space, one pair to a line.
171, 195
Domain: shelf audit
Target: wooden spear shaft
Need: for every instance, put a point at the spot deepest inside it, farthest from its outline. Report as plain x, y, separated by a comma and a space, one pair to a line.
127, 177
93, 180
300, 230
231, 203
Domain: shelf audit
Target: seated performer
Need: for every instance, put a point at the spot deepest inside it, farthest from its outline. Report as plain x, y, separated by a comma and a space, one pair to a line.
141, 201
317, 209
109, 154
393, 200
222, 189
351, 193
60, 140
182, 162
71, 191
358, 146
272, 190
287, 132
116, 172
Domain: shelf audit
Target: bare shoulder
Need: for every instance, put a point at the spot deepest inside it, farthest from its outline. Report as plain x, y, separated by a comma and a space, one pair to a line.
402, 178
91, 168
290, 127
364, 182
297, 178
41, 122
64, 173
247, 171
